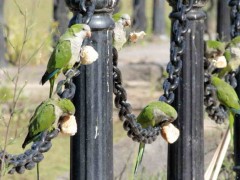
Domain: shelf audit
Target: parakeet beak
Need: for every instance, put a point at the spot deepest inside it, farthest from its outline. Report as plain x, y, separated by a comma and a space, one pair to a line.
128, 23
89, 34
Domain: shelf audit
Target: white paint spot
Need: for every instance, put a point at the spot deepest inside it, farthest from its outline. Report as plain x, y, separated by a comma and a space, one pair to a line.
113, 3
108, 55
96, 130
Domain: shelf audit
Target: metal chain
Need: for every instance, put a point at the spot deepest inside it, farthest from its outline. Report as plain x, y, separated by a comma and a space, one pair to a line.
134, 129
215, 111
27, 160
235, 31
174, 67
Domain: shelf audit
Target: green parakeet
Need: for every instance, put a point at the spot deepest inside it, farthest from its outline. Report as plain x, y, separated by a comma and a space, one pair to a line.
232, 55
228, 97
120, 36
214, 48
66, 53
46, 114
153, 114
214, 51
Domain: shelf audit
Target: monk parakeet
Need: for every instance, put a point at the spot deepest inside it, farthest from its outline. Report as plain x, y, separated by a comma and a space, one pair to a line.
153, 114
232, 55
214, 52
66, 53
120, 36
228, 97
46, 114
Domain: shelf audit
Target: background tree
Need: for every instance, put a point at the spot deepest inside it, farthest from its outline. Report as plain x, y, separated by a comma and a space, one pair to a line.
158, 26
60, 16
139, 15
3, 61
223, 20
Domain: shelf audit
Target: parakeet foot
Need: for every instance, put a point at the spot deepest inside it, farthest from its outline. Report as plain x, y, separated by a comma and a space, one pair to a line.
82, 5
71, 73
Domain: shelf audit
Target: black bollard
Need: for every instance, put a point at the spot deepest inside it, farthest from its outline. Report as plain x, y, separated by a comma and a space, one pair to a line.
186, 156
159, 25
235, 31
139, 15
92, 146
223, 20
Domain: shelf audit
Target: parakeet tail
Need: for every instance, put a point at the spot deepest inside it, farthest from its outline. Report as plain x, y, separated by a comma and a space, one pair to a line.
235, 111
139, 157
48, 76
26, 141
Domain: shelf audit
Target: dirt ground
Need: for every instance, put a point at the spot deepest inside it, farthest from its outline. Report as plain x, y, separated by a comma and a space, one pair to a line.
141, 67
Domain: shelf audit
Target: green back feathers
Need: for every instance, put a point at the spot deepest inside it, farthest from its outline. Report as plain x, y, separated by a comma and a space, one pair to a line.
66, 106
146, 117
60, 57
235, 41
43, 118
227, 55
225, 93
214, 45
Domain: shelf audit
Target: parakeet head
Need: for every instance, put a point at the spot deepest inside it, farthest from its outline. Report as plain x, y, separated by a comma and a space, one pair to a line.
214, 48
81, 30
126, 20
168, 110
66, 106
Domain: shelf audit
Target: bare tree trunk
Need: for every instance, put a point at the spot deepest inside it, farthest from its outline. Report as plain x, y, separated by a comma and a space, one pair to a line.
159, 27
60, 15
3, 61
139, 15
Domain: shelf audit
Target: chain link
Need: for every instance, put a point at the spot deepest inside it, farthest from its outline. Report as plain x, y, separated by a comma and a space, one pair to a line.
134, 129
215, 111
27, 160
235, 31
174, 67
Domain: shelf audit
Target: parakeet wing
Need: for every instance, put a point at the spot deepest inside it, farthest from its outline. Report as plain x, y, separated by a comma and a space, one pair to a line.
227, 95
234, 41
60, 56
42, 120
145, 118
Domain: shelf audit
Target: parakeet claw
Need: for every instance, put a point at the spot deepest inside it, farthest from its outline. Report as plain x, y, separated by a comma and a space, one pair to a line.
82, 5
71, 73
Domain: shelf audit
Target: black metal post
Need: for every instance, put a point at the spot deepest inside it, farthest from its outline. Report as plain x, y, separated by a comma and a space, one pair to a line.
159, 27
186, 156
60, 15
237, 135
223, 20
139, 15
235, 31
92, 146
